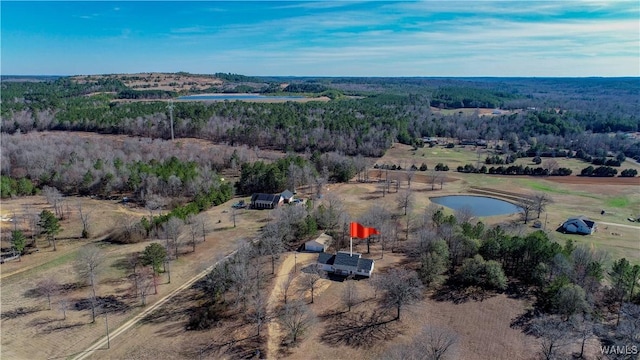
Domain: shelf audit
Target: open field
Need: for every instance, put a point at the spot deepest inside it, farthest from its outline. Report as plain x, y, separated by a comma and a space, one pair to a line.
158, 81
473, 111
30, 330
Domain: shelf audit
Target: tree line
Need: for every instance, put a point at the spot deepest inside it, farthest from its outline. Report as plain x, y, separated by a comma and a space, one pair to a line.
352, 126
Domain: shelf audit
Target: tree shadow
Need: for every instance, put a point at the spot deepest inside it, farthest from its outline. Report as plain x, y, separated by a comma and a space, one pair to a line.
360, 329
251, 347
104, 304
42, 321
331, 313
18, 312
62, 290
61, 327
458, 294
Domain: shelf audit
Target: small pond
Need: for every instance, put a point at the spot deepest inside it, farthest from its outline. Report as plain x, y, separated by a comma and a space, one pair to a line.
231, 97
479, 205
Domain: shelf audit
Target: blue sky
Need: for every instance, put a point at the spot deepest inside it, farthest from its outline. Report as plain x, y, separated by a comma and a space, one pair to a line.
327, 38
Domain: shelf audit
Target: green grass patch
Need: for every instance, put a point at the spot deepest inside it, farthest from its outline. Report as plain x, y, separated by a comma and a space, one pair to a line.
618, 202
59, 261
548, 188
539, 186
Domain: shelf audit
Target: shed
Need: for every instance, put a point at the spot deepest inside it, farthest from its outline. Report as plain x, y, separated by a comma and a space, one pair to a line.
287, 196
319, 244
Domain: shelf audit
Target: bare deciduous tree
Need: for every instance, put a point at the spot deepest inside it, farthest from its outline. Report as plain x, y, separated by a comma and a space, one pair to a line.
411, 172
310, 279
195, 225
433, 177
172, 229
54, 197
296, 318
540, 202
330, 212
380, 218
88, 265
551, 165
350, 296
553, 333
285, 287
85, 217
464, 215
432, 343
526, 208
146, 281
272, 246
401, 287
439, 343
239, 275
406, 200
63, 305
259, 314
48, 287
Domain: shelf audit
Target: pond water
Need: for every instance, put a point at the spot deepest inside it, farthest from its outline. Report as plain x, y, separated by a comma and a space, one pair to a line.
222, 97
479, 205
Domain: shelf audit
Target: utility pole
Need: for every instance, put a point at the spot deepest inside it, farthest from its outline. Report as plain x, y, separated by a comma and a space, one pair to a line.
106, 322
170, 107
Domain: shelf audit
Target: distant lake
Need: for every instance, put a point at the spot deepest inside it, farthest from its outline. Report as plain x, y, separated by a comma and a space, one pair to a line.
479, 205
231, 97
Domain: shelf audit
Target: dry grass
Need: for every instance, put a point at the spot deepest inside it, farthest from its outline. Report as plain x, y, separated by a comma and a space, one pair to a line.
158, 81
483, 326
35, 332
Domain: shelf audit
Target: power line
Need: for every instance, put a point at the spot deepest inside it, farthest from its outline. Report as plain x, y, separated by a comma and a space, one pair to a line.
170, 107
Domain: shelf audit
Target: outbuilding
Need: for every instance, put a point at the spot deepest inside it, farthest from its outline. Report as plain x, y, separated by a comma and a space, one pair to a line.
287, 196
319, 244
265, 201
579, 225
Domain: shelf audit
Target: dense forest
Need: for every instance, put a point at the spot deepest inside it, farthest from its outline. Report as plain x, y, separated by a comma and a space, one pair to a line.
589, 116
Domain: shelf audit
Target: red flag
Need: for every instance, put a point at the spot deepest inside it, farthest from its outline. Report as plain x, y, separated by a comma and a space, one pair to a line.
359, 231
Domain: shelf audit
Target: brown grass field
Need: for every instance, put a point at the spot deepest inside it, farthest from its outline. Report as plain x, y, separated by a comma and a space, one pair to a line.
30, 331
158, 81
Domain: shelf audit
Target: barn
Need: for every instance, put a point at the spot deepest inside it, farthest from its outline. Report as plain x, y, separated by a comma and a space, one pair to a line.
265, 201
579, 225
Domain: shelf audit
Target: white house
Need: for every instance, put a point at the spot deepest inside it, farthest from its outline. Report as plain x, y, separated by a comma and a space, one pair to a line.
319, 244
344, 263
579, 225
287, 196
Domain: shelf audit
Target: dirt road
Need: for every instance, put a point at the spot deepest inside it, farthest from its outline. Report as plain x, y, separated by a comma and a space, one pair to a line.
273, 328
620, 225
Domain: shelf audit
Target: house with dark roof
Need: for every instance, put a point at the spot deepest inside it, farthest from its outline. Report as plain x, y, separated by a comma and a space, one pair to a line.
345, 263
579, 225
265, 201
